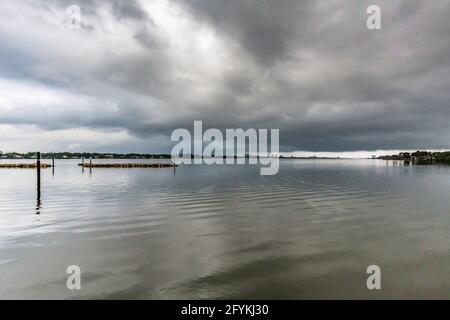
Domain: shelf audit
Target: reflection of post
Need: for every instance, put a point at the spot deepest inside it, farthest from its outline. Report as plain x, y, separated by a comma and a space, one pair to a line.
38, 172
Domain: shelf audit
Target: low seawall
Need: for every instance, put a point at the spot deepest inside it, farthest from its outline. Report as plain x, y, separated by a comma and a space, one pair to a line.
127, 165
23, 166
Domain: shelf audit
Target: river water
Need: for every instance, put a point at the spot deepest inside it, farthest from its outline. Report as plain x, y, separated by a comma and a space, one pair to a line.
215, 232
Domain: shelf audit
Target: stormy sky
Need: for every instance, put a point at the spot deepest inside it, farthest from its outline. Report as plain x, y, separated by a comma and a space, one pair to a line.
137, 70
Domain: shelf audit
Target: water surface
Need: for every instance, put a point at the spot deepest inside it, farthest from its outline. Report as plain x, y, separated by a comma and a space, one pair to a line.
227, 232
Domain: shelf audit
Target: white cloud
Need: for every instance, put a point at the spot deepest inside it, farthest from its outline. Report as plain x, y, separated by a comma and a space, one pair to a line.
22, 138
33, 103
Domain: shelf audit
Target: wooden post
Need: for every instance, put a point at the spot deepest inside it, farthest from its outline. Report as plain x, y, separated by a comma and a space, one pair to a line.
38, 172
90, 162
38, 167
53, 162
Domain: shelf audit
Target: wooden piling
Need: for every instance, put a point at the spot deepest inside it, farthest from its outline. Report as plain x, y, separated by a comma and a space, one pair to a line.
38, 168
38, 174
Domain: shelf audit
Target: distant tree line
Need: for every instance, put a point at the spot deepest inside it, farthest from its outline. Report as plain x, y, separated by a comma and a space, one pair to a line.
78, 155
443, 157
421, 157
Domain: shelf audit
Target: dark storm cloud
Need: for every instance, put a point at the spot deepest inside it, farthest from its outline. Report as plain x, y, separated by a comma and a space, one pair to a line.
264, 27
310, 68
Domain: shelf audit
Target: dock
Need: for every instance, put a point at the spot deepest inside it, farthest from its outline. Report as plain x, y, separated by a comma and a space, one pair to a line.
127, 165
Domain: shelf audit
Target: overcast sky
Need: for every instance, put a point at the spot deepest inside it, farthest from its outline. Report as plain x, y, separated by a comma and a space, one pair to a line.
136, 70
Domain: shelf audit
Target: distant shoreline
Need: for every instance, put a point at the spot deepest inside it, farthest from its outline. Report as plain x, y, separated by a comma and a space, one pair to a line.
418, 157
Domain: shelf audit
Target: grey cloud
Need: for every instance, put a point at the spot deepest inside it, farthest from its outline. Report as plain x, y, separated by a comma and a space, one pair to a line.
309, 68
128, 9
263, 27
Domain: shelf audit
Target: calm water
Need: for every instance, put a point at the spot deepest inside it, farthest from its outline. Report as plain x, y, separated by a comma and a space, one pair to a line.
227, 232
